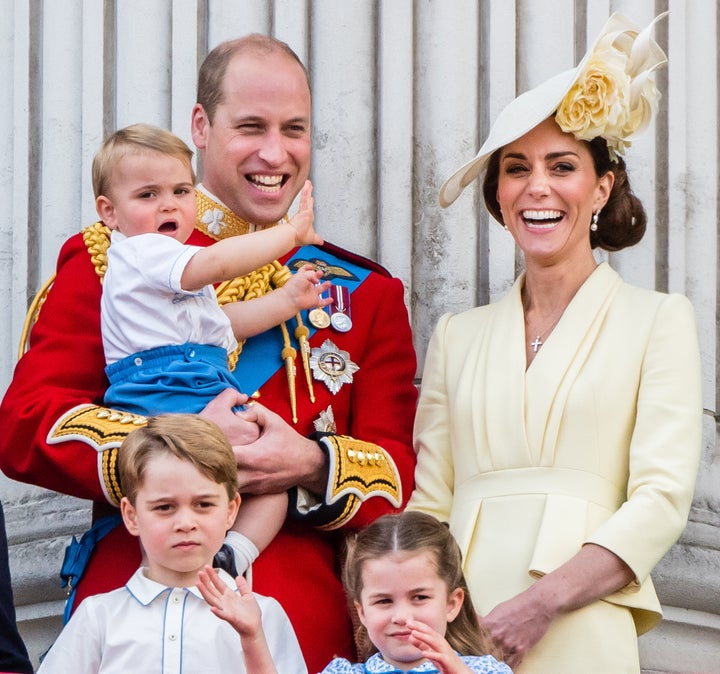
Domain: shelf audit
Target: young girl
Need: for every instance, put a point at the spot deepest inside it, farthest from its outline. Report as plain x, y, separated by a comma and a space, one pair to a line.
404, 575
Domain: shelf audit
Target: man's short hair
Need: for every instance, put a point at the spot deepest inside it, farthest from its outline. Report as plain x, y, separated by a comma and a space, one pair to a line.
210, 90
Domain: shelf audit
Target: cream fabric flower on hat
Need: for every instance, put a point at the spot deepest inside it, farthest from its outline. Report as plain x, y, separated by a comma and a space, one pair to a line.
614, 95
610, 93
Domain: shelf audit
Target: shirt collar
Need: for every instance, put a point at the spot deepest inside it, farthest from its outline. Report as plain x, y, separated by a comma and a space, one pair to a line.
376, 665
146, 591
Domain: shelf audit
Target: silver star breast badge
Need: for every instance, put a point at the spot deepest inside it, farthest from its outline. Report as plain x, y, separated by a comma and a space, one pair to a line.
332, 366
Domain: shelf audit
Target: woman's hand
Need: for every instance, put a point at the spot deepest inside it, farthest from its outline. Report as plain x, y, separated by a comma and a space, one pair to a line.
516, 625
435, 648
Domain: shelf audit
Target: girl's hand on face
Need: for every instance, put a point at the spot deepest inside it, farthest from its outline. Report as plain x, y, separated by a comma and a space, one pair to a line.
435, 648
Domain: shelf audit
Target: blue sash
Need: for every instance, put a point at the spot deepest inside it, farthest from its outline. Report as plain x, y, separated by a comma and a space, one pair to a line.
260, 357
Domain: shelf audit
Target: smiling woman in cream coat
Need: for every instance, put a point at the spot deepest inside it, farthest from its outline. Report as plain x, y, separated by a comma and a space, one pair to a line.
559, 429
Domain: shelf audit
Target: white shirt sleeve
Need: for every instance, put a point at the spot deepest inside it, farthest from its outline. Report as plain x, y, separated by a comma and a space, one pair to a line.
78, 649
280, 636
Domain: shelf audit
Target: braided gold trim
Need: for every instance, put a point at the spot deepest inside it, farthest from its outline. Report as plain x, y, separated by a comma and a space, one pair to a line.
32, 314
111, 476
99, 427
351, 506
104, 430
97, 241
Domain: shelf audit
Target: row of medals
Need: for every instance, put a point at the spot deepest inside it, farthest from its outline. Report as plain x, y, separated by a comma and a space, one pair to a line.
336, 314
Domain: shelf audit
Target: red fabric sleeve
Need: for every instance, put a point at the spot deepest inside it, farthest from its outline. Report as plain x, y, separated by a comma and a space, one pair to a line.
63, 368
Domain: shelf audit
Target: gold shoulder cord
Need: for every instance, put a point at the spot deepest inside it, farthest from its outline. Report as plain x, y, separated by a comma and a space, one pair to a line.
219, 222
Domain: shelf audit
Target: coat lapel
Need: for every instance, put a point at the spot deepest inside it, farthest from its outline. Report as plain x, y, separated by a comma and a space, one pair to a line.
550, 377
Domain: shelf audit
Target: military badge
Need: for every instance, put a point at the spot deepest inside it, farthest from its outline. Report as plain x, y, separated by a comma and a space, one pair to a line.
325, 423
332, 366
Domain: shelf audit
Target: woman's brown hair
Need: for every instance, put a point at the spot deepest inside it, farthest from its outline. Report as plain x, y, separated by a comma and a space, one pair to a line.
622, 222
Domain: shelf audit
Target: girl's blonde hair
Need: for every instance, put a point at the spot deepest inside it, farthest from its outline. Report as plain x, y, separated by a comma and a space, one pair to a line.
415, 532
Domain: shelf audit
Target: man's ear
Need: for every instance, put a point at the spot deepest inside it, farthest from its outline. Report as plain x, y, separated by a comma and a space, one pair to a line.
106, 211
129, 515
199, 124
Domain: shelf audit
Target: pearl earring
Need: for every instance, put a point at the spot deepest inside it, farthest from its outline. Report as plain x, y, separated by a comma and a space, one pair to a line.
594, 224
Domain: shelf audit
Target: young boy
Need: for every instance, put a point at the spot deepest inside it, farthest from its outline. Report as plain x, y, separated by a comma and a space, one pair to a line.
179, 478
165, 337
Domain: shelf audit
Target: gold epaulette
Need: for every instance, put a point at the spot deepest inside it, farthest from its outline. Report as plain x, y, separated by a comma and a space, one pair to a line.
359, 470
104, 430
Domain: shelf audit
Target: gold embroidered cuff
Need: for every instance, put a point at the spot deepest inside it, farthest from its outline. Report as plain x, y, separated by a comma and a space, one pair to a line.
360, 470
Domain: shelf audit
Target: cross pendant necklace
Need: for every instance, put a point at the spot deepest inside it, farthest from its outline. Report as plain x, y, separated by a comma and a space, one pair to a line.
543, 335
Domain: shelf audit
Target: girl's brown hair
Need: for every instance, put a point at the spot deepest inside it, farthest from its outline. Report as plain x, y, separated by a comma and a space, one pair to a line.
415, 532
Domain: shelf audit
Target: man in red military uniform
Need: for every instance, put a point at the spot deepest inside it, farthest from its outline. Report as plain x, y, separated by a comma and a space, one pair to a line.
346, 459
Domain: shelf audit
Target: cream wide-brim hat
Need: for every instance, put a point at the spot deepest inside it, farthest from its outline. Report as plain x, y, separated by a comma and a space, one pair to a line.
533, 107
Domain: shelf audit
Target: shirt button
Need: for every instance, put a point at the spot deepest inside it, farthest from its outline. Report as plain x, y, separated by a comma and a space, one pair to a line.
176, 599
138, 361
172, 637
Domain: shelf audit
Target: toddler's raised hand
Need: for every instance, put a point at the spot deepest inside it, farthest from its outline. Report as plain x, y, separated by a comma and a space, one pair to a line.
302, 222
304, 289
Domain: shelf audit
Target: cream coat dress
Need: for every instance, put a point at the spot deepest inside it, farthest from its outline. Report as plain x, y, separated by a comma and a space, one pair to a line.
598, 441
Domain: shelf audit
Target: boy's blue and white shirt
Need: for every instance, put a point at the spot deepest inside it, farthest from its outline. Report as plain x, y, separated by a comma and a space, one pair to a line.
148, 627
480, 664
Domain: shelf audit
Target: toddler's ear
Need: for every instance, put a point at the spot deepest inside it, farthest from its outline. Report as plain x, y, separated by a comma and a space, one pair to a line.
106, 211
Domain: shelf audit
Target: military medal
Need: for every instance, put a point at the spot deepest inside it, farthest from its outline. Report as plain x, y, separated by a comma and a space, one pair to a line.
341, 322
340, 308
332, 366
319, 318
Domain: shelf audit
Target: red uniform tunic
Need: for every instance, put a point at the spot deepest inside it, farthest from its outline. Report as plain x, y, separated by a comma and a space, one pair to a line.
64, 369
